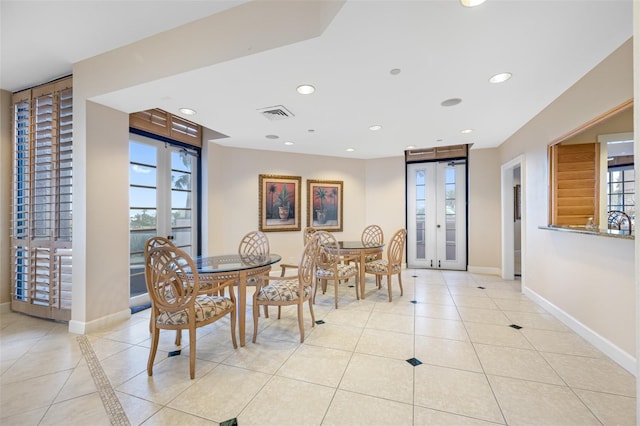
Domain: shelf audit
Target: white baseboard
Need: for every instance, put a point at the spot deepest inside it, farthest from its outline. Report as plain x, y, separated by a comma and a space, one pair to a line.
80, 327
625, 360
485, 270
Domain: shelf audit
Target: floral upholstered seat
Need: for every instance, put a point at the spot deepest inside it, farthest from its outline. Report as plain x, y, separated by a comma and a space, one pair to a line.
206, 307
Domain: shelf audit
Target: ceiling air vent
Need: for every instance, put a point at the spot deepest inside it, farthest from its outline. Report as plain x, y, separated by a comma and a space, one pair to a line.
277, 112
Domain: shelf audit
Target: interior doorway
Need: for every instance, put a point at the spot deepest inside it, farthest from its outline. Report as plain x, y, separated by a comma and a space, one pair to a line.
513, 218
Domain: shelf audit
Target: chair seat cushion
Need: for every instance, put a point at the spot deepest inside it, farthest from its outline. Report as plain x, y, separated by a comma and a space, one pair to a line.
370, 257
343, 271
281, 291
381, 266
206, 307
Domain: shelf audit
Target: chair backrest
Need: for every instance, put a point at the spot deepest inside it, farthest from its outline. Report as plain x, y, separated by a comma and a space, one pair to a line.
328, 253
172, 279
395, 251
155, 242
254, 245
372, 234
306, 267
618, 219
307, 234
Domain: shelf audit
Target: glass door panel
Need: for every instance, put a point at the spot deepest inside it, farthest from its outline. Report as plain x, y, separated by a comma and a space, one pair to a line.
436, 219
162, 200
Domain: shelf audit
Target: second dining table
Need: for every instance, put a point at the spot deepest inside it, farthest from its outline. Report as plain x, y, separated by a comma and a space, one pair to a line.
360, 251
239, 267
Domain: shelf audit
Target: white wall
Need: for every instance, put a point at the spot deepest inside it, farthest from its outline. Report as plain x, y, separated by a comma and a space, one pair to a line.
587, 280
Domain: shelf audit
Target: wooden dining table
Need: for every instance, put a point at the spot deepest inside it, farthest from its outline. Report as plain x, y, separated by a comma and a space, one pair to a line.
359, 251
239, 267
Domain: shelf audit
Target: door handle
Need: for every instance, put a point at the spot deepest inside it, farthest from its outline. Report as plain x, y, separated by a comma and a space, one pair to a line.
439, 264
169, 237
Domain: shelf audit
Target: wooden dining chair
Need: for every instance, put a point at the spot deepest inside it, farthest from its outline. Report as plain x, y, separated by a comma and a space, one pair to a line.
392, 265
286, 291
254, 245
173, 284
330, 266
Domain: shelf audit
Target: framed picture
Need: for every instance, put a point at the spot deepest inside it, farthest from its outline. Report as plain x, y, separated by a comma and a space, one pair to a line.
517, 203
324, 206
279, 203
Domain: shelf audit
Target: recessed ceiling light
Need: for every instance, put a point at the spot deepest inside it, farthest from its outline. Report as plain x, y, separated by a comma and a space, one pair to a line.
375, 127
500, 78
349, 149
395, 71
288, 143
472, 3
305, 89
311, 130
272, 136
187, 111
465, 131
450, 102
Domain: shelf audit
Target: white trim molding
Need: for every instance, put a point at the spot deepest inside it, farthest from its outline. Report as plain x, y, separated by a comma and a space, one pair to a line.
80, 327
484, 270
624, 359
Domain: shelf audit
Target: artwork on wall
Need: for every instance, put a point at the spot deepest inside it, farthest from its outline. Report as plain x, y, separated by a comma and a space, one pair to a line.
324, 204
279, 203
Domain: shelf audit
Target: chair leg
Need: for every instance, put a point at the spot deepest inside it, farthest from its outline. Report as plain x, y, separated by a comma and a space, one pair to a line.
155, 336
178, 337
192, 352
400, 282
233, 328
313, 317
335, 291
256, 311
279, 311
266, 311
300, 322
389, 285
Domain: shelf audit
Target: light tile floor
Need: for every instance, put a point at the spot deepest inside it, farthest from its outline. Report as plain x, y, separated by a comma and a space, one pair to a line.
351, 370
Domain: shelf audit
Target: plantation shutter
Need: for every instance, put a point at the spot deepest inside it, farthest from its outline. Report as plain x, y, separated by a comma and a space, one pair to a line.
41, 216
575, 183
162, 123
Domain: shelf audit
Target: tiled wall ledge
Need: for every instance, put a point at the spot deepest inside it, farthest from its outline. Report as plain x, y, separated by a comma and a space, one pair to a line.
611, 233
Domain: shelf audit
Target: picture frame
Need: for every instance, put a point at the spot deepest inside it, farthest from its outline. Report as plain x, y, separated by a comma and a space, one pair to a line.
517, 203
325, 204
279, 198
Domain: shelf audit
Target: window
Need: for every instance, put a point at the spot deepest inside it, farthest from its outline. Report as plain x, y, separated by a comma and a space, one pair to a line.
621, 190
41, 216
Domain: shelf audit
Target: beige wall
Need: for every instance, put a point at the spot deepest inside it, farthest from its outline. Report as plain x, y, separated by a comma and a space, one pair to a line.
586, 280
484, 211
233, 195
5, 194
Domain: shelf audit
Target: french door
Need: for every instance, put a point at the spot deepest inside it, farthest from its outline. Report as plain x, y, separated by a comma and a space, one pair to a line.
162, 200
437, 215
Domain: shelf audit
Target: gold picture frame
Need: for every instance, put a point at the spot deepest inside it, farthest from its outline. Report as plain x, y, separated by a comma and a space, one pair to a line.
324, 204
279, 198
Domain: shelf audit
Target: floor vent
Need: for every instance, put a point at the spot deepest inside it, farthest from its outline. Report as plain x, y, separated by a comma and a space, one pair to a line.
277, 112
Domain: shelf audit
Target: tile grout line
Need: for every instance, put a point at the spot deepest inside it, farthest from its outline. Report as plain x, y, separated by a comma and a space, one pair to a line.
110, 400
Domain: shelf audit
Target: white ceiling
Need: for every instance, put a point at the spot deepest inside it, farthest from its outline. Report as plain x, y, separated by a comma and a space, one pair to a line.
443, 50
